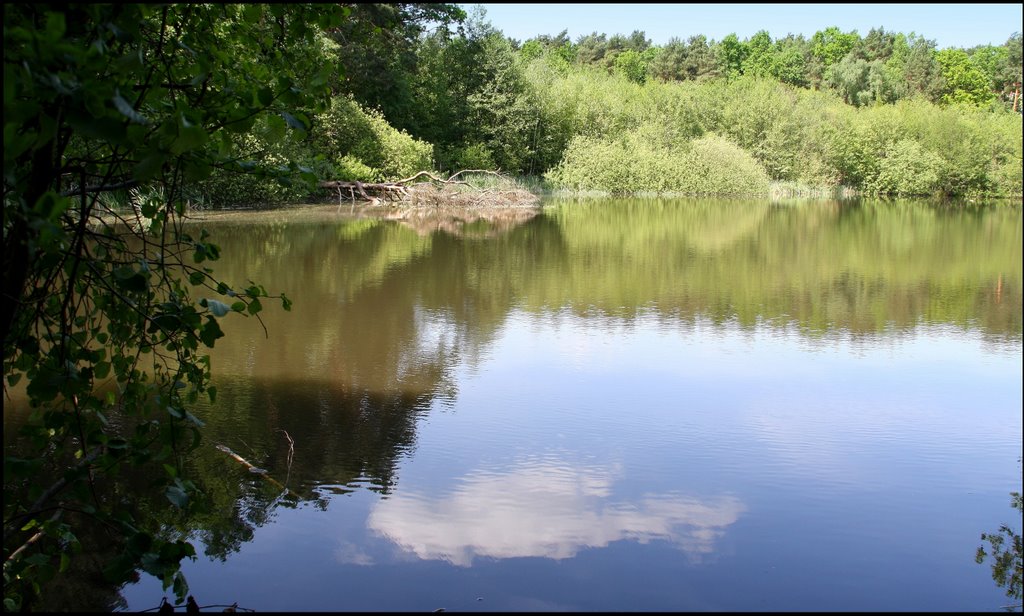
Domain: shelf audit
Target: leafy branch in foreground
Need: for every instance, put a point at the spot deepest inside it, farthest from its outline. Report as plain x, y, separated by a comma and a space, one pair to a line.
1006, 554
105, 315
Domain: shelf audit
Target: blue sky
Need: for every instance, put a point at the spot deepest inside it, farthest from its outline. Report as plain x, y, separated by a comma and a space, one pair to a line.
949, 25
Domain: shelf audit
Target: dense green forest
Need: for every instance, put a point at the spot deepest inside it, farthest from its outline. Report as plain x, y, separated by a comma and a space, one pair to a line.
882, 113
107, 311
418, 86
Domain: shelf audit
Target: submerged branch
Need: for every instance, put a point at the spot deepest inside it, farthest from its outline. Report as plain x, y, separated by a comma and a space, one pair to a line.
257, 471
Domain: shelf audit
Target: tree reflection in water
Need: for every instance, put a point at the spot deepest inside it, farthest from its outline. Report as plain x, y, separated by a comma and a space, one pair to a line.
1006, 555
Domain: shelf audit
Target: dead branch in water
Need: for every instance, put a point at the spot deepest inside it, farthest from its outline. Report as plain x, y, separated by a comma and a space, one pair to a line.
291, 454
434, 191
257, 471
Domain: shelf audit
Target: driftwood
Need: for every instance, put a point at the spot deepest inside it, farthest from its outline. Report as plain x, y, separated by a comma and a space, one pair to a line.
259, 471
410, 191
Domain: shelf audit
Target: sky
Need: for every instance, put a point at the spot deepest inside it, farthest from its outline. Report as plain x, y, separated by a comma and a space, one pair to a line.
949, 25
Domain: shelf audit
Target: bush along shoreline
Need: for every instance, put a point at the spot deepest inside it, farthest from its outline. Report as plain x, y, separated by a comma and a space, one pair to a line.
747, 137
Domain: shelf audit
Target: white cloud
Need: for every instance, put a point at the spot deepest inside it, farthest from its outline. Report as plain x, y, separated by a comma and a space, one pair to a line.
349, 553
545, 509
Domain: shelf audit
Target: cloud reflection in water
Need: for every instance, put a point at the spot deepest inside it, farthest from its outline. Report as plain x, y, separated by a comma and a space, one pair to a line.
545, 509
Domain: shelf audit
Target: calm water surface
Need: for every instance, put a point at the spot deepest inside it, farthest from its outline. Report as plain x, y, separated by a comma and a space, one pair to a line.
616, 405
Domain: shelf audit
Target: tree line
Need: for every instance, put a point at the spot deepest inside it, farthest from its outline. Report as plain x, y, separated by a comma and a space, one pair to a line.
879, 67
447, 89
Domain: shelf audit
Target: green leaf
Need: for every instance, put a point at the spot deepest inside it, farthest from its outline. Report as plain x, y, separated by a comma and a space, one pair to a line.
127, 110
196, 170
252, 13
190, 136
255, 306
149, 167
37, 559
276, 129
105, 128
50, 206
130, 280
210, 332
298, 121
265, 96
180, 586
55, 26
177, 496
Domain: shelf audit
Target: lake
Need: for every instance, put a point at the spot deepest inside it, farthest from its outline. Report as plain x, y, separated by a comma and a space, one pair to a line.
616, 404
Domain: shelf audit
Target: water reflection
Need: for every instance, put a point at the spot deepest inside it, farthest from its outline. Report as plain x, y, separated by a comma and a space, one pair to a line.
1004, 552
477, 223
541, 508
392, 318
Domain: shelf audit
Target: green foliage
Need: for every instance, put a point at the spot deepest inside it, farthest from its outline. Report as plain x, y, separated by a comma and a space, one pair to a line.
832, 44
678, 60
502, 111
473, 156
758, 58
105, 316
363, 146
376, 53
798, 135
668, 61
1006, 553
558, 49
271, 158
965, 82
861, 82
525, 106
632, 65
649, 160
394, 153
350, 169
449, 72
914, 58
732, 54
907, 169
993, 62
790, 60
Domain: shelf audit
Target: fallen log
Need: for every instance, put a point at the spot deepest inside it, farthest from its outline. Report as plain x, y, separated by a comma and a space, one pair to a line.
258, 471
399, 190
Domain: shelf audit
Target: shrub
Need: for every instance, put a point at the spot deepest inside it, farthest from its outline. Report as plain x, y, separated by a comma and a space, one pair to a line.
803, 137
648, 159
349, 168
365, 146
907, 169
719, 166
244, 183
473, 156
